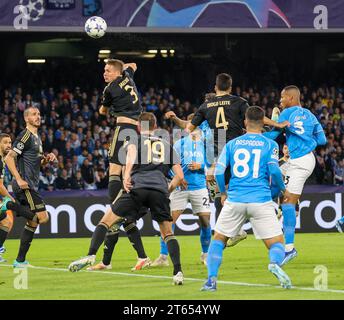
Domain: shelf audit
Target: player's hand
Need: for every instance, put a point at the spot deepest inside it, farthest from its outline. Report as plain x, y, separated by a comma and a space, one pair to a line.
170, 115
103, 111
282, 125
22, 184
50, 157
127, 185
194, 166
223, 198
184, 184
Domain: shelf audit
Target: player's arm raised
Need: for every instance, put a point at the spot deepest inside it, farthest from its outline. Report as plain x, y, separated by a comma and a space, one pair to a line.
10, 161
131, 65
179, 122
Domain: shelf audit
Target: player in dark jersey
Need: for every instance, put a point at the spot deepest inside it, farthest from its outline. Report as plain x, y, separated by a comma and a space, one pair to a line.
121, 100
28, 151
145, 181
6, 218
225, 114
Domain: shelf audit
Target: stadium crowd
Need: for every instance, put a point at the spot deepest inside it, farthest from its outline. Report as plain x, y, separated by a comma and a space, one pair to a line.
73, 129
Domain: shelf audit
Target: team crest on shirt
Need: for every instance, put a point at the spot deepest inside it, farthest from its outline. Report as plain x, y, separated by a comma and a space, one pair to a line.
275, 154
20, 146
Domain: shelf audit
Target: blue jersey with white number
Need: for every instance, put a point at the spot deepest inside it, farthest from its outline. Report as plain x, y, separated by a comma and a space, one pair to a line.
300, 135
249, 156
192, 151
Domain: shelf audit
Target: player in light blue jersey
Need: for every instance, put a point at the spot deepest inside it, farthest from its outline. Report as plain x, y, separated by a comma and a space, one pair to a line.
303, 135
192, 152
253, 159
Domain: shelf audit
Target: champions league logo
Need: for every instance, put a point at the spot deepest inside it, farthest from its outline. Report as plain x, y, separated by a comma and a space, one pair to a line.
159, 16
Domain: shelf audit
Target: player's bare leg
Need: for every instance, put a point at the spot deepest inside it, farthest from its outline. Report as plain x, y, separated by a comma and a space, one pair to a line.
173, 250
289, 223
27, 237
110, 219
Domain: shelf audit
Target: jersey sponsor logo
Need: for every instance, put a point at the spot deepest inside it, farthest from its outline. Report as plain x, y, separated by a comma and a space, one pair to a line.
252, 143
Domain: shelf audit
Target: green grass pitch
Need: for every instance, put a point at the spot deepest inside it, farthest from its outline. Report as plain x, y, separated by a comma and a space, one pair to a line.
243, 274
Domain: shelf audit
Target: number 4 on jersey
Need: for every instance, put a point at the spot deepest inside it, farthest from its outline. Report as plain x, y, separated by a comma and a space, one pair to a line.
221, 119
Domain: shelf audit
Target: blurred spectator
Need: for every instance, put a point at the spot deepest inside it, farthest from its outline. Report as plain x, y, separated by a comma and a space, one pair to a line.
339, 173
87, 172
63, 182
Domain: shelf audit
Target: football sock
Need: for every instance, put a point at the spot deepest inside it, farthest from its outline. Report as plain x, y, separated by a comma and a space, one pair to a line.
341, 220
163, 247
289, 223
135, 239
3, 235
114, 187
214, 259
174, 251
205, 237
22, 211
25, 242
97, 238
109, 246
276, 253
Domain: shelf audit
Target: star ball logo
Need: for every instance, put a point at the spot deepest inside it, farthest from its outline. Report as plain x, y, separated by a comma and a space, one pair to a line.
27, 10
159, 16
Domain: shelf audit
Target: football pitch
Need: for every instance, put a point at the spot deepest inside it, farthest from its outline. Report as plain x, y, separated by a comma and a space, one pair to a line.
243, 274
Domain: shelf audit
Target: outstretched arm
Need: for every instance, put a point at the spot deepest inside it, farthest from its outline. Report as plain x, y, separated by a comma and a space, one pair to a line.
179, 122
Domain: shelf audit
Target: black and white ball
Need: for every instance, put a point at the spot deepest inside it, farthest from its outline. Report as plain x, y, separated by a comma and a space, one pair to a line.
95, 27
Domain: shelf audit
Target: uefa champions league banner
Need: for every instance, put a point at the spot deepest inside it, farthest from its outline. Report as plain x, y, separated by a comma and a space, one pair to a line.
181, 15
74, 214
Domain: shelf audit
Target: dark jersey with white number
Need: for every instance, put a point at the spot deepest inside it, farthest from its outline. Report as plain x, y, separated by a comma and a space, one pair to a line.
121, 96
155, 158
29, 149
225, 112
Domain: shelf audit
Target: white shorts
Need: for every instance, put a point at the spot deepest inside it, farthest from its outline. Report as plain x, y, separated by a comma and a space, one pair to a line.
199, 200
262, 216
298, 171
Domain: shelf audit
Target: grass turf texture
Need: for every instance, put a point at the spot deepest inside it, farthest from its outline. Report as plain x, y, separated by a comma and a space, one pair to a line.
246, 263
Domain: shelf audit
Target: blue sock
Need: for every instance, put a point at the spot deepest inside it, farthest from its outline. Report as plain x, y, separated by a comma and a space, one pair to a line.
289, 222
276, 253
205, 237
163, 246
214, 257
341, 220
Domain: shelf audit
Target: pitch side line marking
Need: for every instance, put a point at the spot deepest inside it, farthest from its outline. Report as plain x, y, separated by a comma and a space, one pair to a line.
245, 284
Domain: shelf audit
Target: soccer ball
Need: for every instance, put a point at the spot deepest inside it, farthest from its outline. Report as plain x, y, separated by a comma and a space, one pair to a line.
35, 9
95, 27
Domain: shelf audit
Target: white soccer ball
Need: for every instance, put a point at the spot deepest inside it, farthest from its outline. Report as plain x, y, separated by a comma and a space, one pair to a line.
95, 27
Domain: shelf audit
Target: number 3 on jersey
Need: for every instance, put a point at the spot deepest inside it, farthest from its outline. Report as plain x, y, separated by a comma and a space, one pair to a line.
221, 119
132, 92
242, 158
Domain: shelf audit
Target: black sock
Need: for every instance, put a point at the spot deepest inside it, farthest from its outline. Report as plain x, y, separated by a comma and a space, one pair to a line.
3, 235
218, 205
98, 238
174, 252
22, 211
109, 246
114, 187
25, 242
135, 239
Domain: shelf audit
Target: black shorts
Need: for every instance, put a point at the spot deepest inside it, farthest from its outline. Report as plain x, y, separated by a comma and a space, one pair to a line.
30, 198
129, 205
123, 132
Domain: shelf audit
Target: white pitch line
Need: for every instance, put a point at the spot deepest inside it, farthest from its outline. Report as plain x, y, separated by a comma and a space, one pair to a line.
245, 284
